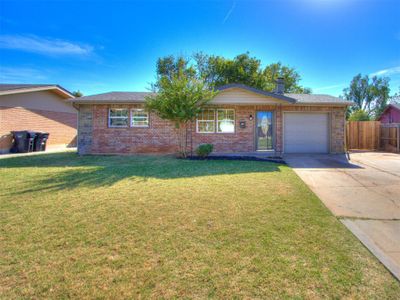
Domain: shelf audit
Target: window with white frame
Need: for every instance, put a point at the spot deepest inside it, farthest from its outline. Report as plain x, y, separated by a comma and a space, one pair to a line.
206, 121
225, 120
139, 118
118, 117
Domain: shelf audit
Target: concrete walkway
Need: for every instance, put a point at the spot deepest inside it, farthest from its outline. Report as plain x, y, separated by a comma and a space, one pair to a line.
364, 192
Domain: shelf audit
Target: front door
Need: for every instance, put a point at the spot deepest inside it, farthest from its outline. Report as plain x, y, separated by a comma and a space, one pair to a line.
264, 131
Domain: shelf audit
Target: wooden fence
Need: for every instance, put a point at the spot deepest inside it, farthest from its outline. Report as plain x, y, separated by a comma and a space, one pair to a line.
390, 137
372, 135
363, 135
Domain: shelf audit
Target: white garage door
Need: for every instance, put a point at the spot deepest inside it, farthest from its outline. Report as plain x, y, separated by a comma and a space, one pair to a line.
306, 133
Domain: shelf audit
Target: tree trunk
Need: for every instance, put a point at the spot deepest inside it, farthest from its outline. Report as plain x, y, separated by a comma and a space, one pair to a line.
182, 139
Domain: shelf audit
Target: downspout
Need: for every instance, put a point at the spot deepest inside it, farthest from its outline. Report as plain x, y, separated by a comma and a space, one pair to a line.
281, 131
346, 150
76, 106
191, 138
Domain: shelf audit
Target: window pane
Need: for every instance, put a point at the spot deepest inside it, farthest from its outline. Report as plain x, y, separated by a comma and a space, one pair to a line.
140, 118
226, 114
118, 112
119, 122
205, 126
226, 120
118, 117
226, 126
206, 121
140, 123
139, 113
207, 115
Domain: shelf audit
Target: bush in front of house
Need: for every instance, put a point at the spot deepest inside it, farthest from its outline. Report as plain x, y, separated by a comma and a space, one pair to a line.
204, 150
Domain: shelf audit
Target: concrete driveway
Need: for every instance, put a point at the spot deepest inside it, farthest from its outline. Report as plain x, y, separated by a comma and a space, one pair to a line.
364, 192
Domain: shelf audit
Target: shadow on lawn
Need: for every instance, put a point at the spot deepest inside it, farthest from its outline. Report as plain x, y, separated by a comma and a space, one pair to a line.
74, 171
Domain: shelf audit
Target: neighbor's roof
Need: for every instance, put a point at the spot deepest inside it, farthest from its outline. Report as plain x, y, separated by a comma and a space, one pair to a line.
7, 89
126, 97
394, 105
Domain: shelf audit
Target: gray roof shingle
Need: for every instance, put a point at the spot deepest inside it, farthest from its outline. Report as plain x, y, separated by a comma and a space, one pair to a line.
317, 98
115, 97
4, 87
124, 97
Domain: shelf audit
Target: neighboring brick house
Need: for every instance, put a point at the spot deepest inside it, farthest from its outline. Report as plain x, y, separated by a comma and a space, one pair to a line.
37, 107
391, 114
238, 119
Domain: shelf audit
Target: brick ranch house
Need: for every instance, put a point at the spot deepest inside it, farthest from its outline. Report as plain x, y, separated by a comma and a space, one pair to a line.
37, 107
239, 119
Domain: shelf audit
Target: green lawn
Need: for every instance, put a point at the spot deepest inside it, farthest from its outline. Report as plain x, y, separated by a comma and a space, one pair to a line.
156, 227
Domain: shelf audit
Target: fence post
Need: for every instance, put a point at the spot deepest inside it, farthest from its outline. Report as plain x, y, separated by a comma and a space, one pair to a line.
378, 136
398, 137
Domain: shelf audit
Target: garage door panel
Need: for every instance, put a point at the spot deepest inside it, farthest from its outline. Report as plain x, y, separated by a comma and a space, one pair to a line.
306, 133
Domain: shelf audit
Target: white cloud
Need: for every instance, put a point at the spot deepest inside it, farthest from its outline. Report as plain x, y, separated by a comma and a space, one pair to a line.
227, 16
328, 88
43, 46
387, 72
20, 75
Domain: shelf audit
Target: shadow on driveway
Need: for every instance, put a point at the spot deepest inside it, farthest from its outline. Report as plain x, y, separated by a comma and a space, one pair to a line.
320, 161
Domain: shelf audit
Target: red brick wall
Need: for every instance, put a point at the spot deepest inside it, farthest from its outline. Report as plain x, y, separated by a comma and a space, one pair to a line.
60, 125
161, 136
242, 140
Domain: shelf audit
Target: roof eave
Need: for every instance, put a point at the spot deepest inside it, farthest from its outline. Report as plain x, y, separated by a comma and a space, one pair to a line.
77, 101
58, 89
386, 109
326, 103
394, 106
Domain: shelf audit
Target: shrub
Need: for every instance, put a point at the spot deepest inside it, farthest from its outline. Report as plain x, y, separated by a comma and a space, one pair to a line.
359, 115
204, 150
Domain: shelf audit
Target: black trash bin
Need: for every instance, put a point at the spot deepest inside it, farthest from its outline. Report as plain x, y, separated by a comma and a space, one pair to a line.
40, 141
31, 140
21, 141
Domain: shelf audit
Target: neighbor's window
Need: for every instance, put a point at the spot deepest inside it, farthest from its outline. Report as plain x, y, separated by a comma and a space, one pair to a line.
226, 120
139, 118
118, 117
206, 121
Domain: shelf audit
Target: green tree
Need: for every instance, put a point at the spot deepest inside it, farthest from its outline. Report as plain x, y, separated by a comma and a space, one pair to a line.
395, 98
77, 93
171, 67
179, 99
217, 71
369, 95
290, 76
359, 115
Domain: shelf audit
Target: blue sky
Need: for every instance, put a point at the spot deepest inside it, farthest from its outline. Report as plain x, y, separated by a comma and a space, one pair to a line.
100, 46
